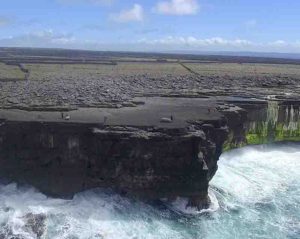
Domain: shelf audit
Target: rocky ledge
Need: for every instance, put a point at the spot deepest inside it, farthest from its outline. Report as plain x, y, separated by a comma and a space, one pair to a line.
165, 148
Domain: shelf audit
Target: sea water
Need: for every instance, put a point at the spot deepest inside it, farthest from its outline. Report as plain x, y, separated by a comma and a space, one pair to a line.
255, 194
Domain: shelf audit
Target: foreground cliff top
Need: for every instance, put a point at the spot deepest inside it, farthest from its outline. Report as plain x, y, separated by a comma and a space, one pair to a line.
61, 80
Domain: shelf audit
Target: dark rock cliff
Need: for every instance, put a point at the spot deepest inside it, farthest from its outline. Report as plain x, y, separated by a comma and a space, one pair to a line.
63, 158
262, 123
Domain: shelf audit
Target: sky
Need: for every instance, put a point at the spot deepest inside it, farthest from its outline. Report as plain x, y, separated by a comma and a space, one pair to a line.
156, 25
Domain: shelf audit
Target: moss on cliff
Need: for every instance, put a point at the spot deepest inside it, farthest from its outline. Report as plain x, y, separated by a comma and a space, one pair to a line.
282, 123
266, 133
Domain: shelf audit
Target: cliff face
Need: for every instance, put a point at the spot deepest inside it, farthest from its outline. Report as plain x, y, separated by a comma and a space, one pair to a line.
263, 122
61, 159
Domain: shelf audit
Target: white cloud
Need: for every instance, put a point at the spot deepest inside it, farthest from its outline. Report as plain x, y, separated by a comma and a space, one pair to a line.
219, 44
44, 38
178, 7
197, 42
278, 43
51, 39
135, 14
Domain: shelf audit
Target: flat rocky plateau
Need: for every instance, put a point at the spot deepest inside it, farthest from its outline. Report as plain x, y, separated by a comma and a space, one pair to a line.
47, 83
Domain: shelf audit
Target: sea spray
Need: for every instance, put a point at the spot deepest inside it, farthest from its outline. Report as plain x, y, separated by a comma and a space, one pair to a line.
256, 194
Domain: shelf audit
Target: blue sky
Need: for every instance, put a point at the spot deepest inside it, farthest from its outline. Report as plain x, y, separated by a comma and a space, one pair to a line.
204, 25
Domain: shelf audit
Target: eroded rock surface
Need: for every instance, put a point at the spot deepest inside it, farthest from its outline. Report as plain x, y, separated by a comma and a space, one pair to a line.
62, 159
118, 91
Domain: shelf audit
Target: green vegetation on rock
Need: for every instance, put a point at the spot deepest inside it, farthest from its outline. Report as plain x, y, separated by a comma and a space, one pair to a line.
266, 133
271, 130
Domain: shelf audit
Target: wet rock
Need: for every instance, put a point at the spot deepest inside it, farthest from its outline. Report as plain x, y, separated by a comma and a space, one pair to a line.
35, 223
199, 202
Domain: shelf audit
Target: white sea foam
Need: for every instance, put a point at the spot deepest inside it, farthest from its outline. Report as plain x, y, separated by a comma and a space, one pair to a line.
255, 194
180, 206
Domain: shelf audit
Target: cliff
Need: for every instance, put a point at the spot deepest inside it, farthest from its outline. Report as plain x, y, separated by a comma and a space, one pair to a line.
132, 150
262, 122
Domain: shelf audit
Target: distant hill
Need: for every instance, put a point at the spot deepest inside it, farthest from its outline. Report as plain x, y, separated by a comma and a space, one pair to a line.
243, 54
38, 54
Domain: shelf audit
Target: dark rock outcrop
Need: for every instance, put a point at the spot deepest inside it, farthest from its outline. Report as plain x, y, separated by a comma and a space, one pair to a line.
61, 159
163, 161
262, 122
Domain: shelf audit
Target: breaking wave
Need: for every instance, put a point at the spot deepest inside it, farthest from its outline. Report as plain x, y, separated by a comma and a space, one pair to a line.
255, 194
